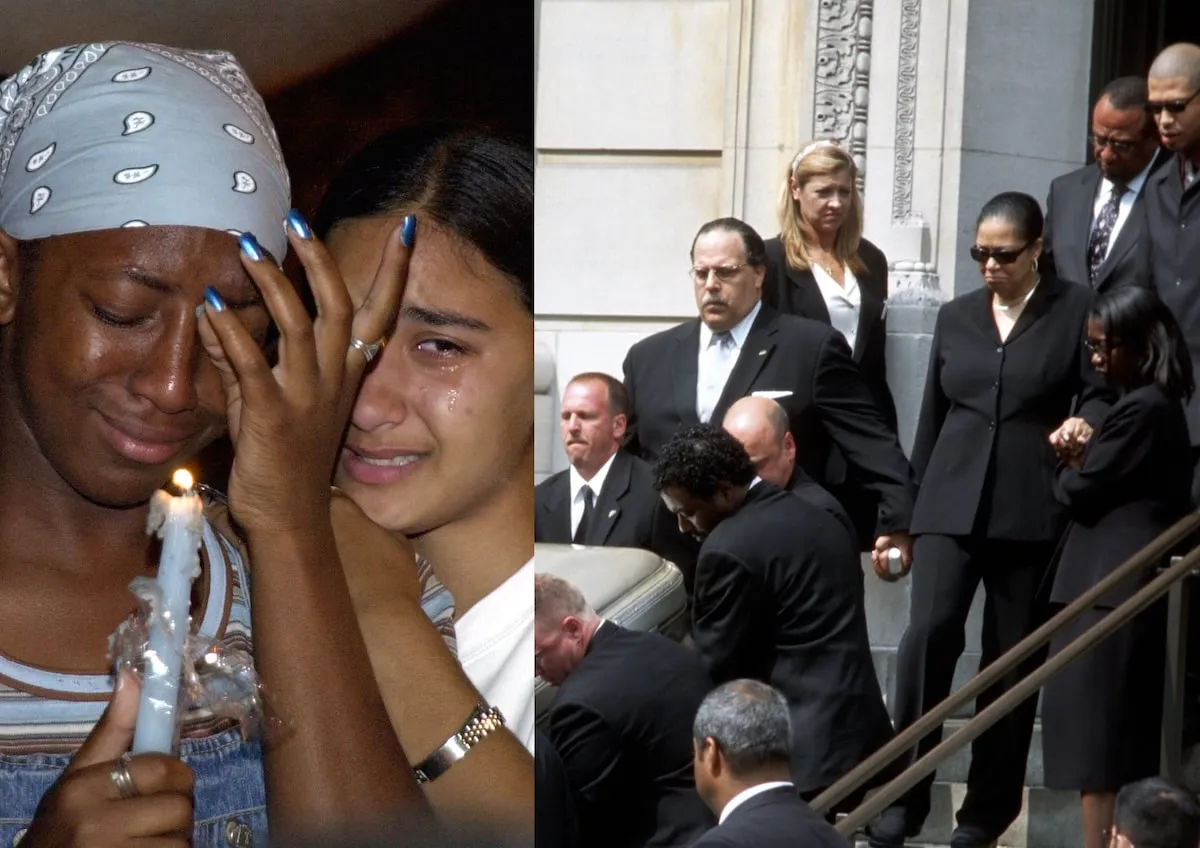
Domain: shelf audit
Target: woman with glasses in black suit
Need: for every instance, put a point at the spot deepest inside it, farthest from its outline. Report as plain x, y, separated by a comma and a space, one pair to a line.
1006, 370
1102, 714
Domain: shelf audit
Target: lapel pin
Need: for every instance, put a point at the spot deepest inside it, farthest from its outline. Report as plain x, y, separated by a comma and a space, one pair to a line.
611, 513
762, 352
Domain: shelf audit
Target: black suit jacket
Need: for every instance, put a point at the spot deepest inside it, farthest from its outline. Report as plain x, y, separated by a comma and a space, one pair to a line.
829, 402
622, 723
795, 292
776, 818
779, 599
982, 447
629, 514
1135, 482
1069, 207
1174, 222
554, 824
808, 489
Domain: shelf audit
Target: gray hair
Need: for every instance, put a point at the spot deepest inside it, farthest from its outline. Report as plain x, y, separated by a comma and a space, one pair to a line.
750, 723
554, 599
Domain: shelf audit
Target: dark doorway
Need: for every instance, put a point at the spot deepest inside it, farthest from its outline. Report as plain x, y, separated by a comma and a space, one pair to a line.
1128, 34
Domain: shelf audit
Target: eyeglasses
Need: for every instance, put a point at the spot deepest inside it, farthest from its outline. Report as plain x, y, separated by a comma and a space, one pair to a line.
1103, 348
1155, 107
724, 273
1116, 145
1002, 255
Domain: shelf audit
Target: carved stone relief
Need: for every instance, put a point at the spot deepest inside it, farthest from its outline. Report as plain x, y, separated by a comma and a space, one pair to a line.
843, 70
906, 110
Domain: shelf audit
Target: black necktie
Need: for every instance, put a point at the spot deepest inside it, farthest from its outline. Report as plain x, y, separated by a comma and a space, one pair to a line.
589, 506
1102, 231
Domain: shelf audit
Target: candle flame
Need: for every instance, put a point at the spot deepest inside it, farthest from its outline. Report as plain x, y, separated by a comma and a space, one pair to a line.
183, 479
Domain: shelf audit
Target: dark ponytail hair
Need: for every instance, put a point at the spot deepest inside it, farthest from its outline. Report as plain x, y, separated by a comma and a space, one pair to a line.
1137, 319
1017, 209
475, 184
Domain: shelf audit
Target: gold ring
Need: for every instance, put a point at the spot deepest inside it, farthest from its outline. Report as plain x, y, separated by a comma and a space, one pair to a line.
370, 351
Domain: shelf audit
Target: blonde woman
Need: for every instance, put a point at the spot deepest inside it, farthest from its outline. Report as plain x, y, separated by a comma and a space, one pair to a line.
820, 267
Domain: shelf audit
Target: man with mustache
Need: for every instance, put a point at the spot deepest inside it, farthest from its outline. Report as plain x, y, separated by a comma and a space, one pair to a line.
607, 496
1095, 217
739, 346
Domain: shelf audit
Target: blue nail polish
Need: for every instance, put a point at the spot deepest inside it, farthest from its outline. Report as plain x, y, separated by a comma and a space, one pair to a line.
250, 246
214, 299
298, 225
409, 232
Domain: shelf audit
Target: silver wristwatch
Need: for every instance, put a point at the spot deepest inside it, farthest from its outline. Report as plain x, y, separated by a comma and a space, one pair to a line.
482, 721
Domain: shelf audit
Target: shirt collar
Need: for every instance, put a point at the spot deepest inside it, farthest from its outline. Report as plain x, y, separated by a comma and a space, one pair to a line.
739, 332
1133, 186
596, 483
746, 794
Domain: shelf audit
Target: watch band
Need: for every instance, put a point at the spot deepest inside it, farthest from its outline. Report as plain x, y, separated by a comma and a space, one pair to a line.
482, 721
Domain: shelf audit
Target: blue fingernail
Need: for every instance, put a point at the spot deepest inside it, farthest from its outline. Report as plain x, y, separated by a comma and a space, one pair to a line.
214, 299
409, 232
298, 225
250, 246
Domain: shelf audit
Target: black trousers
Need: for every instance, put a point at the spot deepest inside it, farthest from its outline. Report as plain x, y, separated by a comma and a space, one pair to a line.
946, 572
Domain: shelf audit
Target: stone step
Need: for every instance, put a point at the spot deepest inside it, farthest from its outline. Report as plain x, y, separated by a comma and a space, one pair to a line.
1049, 819
954, 770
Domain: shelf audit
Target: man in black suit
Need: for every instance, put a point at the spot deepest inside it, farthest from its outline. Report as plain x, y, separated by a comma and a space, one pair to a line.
761, 425
621, 721
1173, 202
1095, 231
691, 374
778, 598
743, 738
554, 824
607, 496
1173, 215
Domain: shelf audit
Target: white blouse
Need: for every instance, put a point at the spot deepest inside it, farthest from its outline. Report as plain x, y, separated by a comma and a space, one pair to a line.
843, 302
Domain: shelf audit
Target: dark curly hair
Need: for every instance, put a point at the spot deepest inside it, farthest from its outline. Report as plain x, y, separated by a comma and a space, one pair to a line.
699, 459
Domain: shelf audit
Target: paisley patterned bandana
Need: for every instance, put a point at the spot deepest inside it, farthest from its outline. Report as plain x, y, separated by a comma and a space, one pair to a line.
101, 136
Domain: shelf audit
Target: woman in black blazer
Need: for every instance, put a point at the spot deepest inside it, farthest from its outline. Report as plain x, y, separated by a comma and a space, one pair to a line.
1006, 368
1102, 714
820, 267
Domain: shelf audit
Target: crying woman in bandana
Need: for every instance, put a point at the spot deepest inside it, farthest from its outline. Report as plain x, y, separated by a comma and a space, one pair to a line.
144, 214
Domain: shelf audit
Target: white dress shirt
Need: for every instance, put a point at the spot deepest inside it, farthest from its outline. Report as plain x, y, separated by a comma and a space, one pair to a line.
746, 794
843, 302
577, 484
716, 363
1104, 192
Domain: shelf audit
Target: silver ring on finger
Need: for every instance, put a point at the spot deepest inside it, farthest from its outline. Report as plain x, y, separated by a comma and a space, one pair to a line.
371, 350
122, 779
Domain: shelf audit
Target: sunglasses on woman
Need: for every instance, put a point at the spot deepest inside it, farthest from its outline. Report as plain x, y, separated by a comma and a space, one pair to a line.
1002, 255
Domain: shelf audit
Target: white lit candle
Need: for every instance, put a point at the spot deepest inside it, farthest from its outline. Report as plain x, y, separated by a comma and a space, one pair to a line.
178, 521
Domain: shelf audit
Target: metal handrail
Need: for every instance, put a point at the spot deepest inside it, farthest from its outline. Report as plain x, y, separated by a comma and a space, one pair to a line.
936, 716
1146, 596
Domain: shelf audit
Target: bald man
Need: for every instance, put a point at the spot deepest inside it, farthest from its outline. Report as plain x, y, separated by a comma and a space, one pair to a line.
761, 425
1173, 201
1173, 216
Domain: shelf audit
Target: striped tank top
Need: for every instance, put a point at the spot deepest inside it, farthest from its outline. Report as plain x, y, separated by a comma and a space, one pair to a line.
46, 715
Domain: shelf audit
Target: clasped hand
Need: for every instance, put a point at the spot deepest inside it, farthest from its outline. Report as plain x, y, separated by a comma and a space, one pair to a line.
1070, 440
